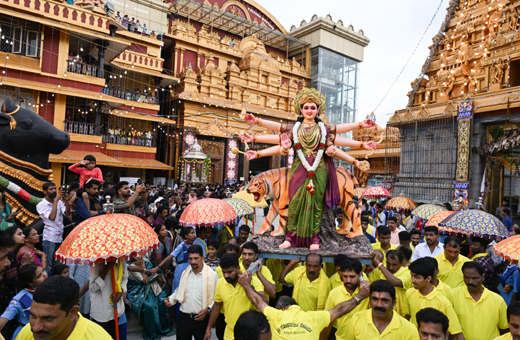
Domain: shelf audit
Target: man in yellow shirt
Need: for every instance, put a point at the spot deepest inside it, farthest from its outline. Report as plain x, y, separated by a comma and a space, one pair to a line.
335, 279
450, 263
443, 288
289, 322
252, 325
513, 320
482, 313
55, 314
396, 274
350, 272
311, 284
380, 322
383, 243
424, 295
250, 255
432, 324
232, 296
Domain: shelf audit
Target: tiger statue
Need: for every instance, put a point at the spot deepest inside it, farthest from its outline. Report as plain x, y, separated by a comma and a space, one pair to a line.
275, 184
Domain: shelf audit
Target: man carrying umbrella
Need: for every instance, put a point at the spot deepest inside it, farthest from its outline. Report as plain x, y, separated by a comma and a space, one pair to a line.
102, 300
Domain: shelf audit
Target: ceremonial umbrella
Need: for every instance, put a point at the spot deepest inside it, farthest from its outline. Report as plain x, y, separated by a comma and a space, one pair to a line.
208, 212
376, 192
401, 203
108, 238
426, 211
250, 198
508, 249
438, 218
241, 207
476, 223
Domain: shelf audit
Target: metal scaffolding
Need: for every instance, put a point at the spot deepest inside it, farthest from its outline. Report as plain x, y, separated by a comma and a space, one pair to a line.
229, 22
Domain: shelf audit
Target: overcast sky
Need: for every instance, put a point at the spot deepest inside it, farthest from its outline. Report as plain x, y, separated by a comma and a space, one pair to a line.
394, 29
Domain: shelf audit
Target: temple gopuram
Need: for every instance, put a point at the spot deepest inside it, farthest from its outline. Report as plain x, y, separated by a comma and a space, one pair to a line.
465, 103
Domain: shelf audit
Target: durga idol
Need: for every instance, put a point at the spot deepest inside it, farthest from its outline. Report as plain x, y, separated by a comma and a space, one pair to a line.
313, 182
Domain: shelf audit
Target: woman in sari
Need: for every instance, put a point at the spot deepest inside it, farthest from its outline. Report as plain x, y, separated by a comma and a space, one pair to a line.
313, 182
6, 214
31, 239
147, 297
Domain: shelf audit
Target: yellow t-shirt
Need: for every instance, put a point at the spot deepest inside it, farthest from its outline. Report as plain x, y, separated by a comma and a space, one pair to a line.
235, 301
443, 288
295, 323
451, 274
84, 330
218, 270
308, 292
377, 246
276, 268
335, 280
405, 276
361, 327
417, 301
506, 336
481, 319
338, 295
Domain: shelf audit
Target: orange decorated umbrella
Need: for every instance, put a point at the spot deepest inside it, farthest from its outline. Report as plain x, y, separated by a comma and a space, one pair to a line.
508, 249
438, 218
401, 203
108, 238
376, 192
208, 212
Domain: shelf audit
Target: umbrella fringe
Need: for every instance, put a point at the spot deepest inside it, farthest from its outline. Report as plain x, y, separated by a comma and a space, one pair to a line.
83, 261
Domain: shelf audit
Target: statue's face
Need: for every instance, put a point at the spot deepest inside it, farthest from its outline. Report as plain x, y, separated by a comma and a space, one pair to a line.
309, 111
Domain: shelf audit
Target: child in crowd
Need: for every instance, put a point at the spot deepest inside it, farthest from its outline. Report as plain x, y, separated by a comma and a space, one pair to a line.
212, 260
60, 269
88, 171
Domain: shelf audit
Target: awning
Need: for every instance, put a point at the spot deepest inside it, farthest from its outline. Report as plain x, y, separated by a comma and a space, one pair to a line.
138, 163
75, 156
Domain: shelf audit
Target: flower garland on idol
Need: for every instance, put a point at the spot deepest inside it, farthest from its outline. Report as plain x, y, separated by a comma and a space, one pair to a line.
311, 170
19, 191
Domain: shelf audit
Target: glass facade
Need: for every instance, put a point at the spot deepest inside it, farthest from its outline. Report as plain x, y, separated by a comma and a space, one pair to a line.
336, 76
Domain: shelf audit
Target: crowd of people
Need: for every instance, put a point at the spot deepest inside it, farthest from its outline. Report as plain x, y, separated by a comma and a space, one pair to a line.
205, 281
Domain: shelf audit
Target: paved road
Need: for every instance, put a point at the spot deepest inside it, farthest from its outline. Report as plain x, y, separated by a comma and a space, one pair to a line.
135, 330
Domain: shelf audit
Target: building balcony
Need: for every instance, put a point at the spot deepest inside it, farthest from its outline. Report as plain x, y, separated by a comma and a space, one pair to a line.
76, 66
81, 128
135, 95
134, 138
138, 60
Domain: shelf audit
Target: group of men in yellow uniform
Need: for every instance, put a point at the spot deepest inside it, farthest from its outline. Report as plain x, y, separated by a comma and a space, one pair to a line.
429, 299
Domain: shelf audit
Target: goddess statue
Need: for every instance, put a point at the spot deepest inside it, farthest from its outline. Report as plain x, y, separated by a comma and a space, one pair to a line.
313, 182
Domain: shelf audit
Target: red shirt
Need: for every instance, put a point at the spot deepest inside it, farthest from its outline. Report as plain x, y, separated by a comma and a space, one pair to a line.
86, 174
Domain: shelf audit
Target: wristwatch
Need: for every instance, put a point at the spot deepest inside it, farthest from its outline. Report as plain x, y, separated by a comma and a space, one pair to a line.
358, 301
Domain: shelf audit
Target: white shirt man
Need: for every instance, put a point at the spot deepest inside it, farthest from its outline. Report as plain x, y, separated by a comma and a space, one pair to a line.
431, 248
196, 292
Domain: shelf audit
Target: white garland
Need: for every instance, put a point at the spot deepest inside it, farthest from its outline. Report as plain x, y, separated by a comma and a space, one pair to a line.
317, 160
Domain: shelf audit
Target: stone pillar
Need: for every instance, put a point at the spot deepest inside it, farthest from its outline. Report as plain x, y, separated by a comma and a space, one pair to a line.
477, 163
176, 61
182, 57
102, 46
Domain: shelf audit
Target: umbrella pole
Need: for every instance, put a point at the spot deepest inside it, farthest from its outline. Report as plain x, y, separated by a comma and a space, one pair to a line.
116, 317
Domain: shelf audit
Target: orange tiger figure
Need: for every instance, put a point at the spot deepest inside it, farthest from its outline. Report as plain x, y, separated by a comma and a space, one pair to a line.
275, 184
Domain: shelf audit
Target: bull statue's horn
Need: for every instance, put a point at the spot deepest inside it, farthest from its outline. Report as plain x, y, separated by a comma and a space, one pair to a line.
8, 106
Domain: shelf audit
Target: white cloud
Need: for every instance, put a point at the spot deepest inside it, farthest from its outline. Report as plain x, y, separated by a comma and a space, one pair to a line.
394, 29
